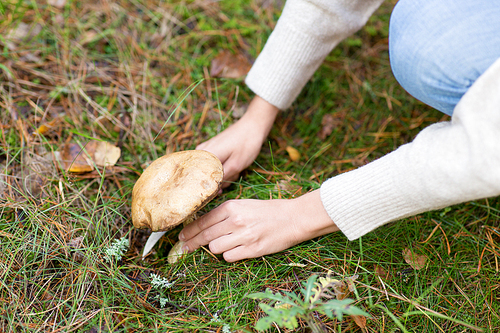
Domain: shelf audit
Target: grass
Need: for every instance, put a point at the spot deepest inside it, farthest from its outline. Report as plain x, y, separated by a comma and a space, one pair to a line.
135, 73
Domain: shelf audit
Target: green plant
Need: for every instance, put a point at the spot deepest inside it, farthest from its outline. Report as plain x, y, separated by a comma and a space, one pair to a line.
117, 249
323, 295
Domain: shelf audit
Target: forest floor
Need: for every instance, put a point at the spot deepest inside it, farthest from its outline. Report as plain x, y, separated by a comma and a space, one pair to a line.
139, 75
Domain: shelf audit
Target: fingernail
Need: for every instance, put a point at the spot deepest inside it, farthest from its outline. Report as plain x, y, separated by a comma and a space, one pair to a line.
181, 236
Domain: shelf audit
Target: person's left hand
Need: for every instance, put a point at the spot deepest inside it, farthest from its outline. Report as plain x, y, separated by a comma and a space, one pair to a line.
252, 228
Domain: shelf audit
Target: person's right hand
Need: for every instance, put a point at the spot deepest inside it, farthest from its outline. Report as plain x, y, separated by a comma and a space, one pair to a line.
238, 145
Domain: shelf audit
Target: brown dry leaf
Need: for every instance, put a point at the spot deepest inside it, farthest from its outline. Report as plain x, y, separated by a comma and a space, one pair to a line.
230, 66
329, 123
359, 320
341, 290
75, 160
110, 171
76, 243
293, 153
36, 172
100, 153
105, 153
350, 282
380, 271
285, 185
414, 260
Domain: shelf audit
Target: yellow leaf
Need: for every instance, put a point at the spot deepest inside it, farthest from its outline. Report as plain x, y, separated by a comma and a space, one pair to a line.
106, 154
74, 159
293, 153
99, 153
44, 128
280, 305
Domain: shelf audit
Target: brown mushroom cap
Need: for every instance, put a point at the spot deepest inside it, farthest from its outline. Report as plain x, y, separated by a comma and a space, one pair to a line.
174, 187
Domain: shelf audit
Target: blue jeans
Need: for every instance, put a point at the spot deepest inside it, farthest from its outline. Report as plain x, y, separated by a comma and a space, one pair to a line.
438, 48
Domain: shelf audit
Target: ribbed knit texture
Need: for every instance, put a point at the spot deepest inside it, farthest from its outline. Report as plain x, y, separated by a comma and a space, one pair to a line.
304, 35
447, 163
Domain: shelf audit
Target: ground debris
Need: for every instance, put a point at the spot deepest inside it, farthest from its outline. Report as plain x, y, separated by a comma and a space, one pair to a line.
230, 65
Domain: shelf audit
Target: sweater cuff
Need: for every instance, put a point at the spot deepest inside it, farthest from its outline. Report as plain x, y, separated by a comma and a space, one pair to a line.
361, 200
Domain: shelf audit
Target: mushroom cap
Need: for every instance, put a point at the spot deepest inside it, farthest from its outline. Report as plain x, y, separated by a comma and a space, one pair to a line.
174, 187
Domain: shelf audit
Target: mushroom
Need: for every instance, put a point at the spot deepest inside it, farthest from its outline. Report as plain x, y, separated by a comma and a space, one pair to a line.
171, 190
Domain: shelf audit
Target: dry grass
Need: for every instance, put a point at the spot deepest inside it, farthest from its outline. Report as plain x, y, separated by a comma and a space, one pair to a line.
136, 74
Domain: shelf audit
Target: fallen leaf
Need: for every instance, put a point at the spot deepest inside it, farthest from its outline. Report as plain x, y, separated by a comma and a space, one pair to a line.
359, 320
110, 171
100, 153
350, 282
30, 57
414, 260
105, 153
230, 66
293, 153
76, 243
21, 31
286, 185
37, 169
47, 127
341, 290
328, 123
75, 160
380, 271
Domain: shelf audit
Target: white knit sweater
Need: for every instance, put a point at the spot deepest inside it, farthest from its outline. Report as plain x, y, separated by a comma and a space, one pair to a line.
447, 163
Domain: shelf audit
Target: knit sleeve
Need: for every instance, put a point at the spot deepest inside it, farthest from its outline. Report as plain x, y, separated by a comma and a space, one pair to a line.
447, 163
304, 35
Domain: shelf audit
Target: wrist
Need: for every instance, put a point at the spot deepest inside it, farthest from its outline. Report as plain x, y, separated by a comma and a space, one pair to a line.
261, 114
311, 217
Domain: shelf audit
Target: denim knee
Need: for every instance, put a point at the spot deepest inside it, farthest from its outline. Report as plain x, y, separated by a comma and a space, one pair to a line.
438, 48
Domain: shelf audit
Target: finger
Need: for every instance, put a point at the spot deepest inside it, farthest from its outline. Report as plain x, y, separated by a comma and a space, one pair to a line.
231, 173
221, 154
210, 235
230, 181
239, 253
227, 241
206, 221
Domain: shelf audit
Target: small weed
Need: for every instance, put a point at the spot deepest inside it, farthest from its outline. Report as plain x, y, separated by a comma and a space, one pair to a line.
321, 295
117, 249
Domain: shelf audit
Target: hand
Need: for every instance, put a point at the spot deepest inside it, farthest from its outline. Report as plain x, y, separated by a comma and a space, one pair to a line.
252, 228
238, 146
